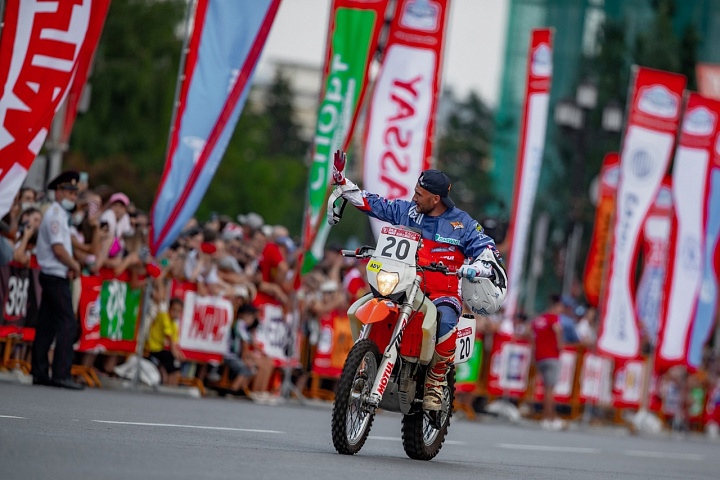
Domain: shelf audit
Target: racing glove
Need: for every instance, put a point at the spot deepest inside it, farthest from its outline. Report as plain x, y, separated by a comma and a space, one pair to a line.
338, 173
475, 270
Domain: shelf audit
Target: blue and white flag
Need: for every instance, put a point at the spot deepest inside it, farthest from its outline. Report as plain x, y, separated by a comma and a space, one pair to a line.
227, 39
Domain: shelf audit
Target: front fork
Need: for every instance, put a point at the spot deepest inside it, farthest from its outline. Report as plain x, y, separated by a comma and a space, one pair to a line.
391, 352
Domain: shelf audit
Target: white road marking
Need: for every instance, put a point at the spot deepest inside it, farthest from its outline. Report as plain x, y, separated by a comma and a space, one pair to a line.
12, 416
398, 439
198, 427
674, 456
548, 448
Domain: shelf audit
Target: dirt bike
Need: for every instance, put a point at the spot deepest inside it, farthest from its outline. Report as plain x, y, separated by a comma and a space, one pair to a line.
394, 328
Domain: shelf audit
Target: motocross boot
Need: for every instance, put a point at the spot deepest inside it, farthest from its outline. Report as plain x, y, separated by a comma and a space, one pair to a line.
435, 379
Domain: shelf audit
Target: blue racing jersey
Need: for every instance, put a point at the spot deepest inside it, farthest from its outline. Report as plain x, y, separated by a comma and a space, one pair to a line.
451, 238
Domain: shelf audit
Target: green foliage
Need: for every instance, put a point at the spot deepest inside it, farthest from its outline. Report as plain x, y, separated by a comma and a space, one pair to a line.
121, 141
283, 132
262, 170
464, 154
133, 84
659, 47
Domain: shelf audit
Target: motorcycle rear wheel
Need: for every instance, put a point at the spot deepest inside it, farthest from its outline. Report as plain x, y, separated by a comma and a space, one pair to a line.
421, 439
351, 419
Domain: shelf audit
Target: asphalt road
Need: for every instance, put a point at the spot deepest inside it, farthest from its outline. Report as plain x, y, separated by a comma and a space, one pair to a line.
47, 433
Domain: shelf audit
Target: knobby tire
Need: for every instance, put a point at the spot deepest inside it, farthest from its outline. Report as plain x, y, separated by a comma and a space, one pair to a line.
415, 428
350, 379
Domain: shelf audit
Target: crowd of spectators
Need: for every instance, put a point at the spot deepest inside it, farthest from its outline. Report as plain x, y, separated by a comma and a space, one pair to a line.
242, 259
251, 263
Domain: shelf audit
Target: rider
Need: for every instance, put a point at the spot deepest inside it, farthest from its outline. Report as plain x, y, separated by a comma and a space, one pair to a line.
450, 236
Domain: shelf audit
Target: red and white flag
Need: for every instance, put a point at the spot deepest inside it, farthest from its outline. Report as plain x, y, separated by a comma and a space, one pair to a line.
530, 151
595, 270
647, 148
45, 46
655, 241
687, 236
400, 130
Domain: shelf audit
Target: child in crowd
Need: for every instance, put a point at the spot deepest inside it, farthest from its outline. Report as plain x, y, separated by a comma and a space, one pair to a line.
162, 342
239, 359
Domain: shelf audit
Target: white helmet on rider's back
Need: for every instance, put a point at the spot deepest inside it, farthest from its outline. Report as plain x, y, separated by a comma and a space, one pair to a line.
484, 295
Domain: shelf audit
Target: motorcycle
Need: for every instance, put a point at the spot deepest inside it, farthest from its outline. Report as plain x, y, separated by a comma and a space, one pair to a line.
394, 329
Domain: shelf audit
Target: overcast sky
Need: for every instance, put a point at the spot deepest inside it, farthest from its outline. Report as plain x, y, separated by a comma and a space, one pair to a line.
474, 49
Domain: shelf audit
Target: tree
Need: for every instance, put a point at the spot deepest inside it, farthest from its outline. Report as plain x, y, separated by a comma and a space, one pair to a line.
464, 153
284, 136
133, 86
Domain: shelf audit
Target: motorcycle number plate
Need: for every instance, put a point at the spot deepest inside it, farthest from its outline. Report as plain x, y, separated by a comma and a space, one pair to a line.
465, 343
397, 244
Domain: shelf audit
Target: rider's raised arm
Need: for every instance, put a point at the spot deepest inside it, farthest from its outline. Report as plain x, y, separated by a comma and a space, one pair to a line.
373, 205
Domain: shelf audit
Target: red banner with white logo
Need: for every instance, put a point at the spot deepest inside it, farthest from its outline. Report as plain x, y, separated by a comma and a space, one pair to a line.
530, 151
693, 160
597, 253
509, 366
44, 47
400, 130
647, 148
655, 241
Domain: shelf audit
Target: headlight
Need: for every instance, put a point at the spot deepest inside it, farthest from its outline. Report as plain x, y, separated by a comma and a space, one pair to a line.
387, 282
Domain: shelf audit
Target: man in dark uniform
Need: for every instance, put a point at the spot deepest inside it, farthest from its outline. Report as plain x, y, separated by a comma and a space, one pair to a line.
56, 319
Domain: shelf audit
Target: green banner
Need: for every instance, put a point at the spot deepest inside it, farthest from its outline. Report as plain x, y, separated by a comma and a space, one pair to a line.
469, 372
353, 42
119, 310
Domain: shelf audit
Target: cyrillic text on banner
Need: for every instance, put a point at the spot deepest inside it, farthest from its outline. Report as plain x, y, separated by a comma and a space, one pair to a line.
655, 109
227, 39
530, 150
43, 48
400, 130
352, 41
687, 238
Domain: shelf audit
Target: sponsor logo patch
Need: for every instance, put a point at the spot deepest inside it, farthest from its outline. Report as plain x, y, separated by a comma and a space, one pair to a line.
457, 225
374, 266
441, 239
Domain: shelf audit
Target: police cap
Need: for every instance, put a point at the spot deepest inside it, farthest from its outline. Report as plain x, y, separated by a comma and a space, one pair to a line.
65, 181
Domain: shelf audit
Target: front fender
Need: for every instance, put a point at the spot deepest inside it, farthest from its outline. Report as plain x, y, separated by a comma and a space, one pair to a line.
369, 309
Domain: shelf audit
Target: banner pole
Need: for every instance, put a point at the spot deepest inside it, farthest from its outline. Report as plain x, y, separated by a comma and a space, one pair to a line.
140, 346
181, 68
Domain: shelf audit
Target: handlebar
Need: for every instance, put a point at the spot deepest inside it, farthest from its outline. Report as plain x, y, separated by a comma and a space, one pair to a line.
441, 268
362, 252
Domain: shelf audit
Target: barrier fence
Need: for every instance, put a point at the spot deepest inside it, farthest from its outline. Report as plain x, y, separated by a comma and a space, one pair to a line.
109, 311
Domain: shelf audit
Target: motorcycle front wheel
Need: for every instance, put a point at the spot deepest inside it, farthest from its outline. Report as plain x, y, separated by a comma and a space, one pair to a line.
351, 417
422, 440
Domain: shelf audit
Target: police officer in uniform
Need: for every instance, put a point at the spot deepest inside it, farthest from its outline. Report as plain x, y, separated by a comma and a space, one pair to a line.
56, 318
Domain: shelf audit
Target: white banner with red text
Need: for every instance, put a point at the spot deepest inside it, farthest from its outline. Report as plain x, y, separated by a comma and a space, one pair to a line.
205, 327
530, 151
400, 129
647, 148
687, 237
44, 47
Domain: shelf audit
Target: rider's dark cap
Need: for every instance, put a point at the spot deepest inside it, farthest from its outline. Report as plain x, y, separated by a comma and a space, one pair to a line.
437, 183
65, 181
